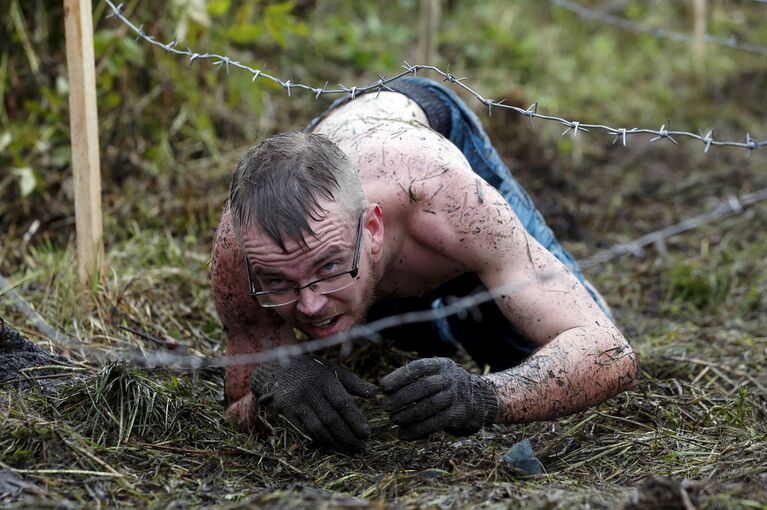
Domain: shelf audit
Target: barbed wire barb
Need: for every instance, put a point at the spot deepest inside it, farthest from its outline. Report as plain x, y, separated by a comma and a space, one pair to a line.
140, 34
574, 126
663, 133
224, 61
117, 8
382, 85
708, 139
319, 92
531, 112
620, 135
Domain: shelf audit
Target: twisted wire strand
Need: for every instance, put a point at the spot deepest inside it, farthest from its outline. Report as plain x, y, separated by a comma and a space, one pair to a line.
661, 33
733, 205
572, 127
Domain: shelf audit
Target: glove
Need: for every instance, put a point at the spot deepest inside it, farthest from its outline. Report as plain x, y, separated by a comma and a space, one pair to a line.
428, 395
315, 396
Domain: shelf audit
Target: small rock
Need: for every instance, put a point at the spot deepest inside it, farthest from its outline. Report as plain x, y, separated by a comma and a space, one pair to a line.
521, 458
10, 485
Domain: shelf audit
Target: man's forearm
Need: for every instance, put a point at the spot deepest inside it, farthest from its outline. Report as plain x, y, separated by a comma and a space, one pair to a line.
579, 368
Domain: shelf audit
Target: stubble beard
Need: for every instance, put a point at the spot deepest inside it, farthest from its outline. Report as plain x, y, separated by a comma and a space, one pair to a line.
368, 298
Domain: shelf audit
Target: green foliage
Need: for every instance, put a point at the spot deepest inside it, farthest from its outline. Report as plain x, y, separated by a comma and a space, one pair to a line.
700, 286
712, 283
736, 412
156, 112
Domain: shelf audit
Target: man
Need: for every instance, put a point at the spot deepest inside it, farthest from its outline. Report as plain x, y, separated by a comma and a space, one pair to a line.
393, 202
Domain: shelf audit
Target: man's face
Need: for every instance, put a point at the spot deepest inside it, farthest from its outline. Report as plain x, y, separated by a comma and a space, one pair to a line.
331, 251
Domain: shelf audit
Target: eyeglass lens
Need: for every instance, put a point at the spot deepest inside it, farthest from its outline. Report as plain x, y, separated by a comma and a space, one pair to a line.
324, 286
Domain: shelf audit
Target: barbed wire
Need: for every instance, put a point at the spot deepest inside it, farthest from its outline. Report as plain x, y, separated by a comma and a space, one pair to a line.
733, 205
597, 15
571, 126
7, 289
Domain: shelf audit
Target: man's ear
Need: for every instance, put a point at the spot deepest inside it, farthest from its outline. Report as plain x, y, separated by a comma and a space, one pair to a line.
375, 227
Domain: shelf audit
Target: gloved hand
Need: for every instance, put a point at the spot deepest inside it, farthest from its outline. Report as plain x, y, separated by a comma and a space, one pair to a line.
428, 395
315, 396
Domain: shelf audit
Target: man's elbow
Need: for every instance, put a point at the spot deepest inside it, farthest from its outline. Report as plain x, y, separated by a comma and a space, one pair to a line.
617, 364
624, 362
631, 369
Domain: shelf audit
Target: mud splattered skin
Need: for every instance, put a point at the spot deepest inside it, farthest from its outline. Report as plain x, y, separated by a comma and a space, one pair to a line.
438, 221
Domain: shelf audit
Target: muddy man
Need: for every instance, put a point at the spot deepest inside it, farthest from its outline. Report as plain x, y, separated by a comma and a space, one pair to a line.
394, 202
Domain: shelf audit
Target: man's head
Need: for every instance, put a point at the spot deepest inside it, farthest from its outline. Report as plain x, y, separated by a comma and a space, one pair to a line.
280, 183
300, 213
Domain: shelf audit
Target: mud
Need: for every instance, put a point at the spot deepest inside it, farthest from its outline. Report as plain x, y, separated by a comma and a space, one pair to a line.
17, 354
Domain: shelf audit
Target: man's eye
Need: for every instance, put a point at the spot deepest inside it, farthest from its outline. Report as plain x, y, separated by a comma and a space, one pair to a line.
330, 267
276, 283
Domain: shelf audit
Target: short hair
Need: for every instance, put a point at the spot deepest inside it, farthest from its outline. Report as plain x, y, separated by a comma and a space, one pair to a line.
280, 182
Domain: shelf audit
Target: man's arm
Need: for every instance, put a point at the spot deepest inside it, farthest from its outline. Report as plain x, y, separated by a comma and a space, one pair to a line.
579, 368
583, 359
248, 328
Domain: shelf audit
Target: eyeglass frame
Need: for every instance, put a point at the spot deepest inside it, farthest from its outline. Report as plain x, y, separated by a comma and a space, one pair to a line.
255, 294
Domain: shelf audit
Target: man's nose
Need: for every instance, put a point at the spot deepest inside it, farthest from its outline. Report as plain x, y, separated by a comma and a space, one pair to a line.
310, 302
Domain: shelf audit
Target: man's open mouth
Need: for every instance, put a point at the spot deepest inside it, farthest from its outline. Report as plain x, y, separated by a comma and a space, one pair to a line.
324, 324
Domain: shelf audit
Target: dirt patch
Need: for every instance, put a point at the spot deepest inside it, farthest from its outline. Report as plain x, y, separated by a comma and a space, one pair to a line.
19, 358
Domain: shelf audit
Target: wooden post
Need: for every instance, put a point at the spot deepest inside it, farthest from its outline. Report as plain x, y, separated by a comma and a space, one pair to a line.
699, 30
428, 25
83, 125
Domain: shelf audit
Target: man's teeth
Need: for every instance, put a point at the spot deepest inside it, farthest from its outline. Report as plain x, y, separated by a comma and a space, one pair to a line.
323, 324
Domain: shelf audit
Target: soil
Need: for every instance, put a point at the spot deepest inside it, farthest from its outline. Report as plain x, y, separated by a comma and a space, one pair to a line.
17, 354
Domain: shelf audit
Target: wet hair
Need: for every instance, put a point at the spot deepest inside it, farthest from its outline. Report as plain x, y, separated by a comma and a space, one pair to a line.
280, 182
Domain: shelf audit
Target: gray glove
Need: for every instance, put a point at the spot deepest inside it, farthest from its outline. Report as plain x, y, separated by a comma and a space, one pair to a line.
428, 395
315, 396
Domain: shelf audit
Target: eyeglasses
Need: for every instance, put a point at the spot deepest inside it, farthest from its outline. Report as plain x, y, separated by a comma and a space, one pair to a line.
324, 285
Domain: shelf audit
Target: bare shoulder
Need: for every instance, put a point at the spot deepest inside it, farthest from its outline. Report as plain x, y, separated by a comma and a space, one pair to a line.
421, 179
450, 207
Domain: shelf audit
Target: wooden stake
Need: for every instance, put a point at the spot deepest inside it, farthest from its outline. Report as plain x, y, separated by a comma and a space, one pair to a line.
699, 30
429, 15
83, 124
